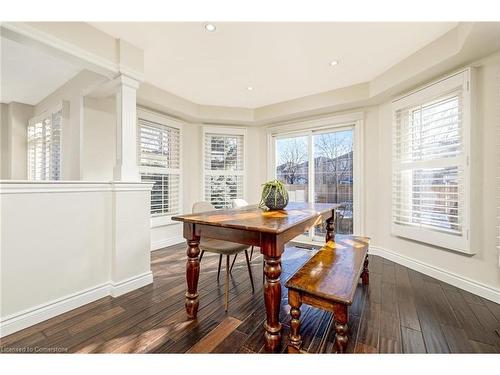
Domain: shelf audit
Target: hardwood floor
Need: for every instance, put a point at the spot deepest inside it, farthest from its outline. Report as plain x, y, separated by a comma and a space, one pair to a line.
402, 311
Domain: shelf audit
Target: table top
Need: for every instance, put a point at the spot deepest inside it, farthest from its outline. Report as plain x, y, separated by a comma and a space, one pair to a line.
258, 219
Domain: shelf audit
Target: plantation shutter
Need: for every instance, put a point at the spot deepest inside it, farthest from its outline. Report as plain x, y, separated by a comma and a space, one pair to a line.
224, 168
44, 147
430, 166
159, 160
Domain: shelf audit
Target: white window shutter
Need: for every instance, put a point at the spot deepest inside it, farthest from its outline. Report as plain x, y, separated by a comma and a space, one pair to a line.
159, 162
430, 168
223, 168
44, 147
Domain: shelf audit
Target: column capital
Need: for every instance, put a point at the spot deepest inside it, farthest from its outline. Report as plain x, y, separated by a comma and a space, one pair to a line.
124, 80
112, 87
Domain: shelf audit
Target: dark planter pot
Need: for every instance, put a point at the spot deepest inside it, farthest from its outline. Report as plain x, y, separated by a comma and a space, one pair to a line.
276, 203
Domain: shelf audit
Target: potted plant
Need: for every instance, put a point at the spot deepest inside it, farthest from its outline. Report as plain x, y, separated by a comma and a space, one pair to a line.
274, 195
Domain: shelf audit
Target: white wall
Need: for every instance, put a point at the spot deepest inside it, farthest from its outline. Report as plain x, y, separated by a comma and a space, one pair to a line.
481, 268
256, 163
19, 115
15, 117
3, 137
66, 244
99, 139
87, 137
72, 93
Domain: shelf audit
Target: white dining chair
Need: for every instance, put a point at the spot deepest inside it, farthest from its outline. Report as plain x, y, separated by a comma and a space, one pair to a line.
237, 203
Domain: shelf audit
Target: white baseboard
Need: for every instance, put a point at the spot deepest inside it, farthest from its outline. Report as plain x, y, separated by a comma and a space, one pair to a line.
167, 242
125, 286
37, 314
472, 286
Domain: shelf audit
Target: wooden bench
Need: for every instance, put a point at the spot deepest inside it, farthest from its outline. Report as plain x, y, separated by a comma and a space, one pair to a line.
328, 281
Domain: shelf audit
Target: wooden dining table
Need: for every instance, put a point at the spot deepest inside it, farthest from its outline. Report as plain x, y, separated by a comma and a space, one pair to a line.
254, 226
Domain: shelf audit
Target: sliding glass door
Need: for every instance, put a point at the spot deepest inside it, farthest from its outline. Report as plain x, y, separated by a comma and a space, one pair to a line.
292, 166
317, 166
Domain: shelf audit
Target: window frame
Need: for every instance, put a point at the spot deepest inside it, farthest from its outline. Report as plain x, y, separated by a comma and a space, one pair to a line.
437, 90
162, 119
62, 107
351, 120
223, 130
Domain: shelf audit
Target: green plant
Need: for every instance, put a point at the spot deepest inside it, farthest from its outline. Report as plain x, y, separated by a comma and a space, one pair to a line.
268, 188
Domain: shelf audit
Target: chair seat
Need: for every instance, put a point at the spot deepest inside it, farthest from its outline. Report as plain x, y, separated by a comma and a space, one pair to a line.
221, 247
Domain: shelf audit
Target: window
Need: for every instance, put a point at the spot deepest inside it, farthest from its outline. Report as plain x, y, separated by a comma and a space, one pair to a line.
317, 165
44, 146
430, 164
159, 161
223, 165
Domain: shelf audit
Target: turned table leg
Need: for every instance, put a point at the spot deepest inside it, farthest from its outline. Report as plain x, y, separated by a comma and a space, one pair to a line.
295, 302
365, 275
272, 300
341, 328
192, 274
330, 227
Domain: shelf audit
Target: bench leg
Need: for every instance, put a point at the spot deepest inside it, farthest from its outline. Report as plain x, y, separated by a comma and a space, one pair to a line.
341, 328
295, 302
365, 275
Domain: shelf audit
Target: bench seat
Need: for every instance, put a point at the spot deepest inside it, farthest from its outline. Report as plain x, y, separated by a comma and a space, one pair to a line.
328, 281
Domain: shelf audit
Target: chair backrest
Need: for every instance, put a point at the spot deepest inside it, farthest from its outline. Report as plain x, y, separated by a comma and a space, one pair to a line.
202, 207
239, 203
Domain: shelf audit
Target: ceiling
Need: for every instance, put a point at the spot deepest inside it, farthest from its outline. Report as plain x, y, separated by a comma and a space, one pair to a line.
281, 61
28, 74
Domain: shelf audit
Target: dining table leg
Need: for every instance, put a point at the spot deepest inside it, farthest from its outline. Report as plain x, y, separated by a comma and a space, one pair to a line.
272, 300
192, 272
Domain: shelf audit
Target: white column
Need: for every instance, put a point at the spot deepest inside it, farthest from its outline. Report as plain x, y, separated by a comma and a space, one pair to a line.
126, 168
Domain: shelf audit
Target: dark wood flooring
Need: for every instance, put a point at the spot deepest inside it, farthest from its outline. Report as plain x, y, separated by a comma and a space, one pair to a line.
402, 311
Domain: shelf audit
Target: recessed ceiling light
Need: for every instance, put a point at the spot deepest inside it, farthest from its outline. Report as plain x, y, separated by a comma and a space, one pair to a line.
249, 88
210, 27
334, 62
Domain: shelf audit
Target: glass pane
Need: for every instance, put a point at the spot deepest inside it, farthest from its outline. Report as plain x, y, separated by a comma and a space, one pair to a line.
292, 166
333, 176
